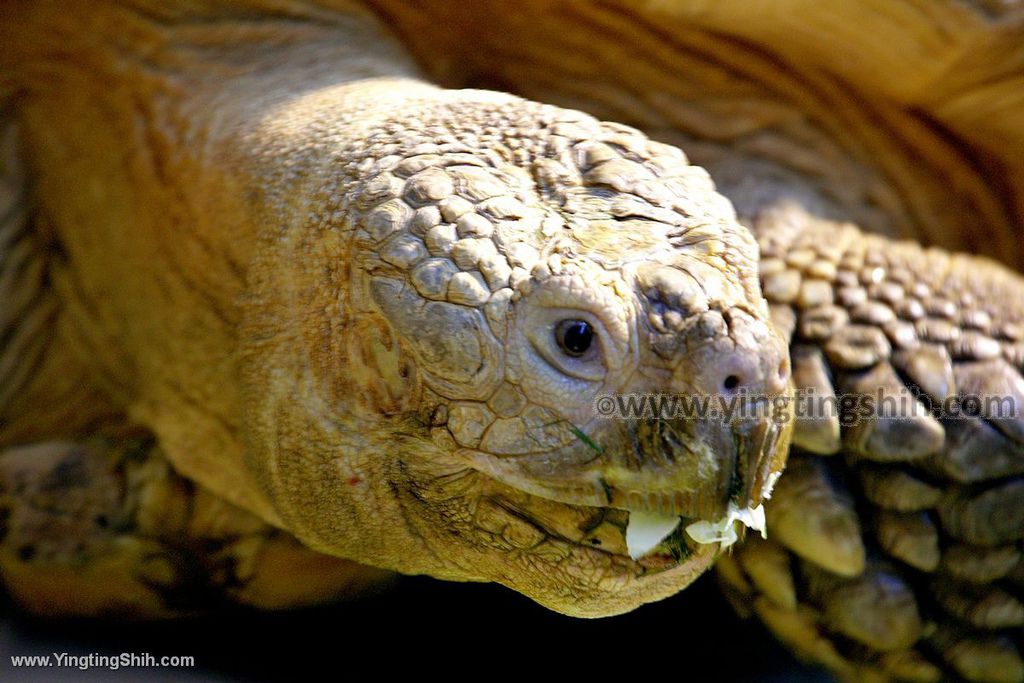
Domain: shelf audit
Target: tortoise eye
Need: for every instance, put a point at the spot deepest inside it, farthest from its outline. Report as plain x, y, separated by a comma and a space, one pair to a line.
574, 337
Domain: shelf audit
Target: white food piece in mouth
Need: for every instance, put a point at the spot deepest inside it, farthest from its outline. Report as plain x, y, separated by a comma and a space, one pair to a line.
769, 485
724, 530
645, 530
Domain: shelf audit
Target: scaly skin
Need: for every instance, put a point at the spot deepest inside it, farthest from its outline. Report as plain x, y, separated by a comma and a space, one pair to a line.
106, 527
899, 554
337, 309
366, 272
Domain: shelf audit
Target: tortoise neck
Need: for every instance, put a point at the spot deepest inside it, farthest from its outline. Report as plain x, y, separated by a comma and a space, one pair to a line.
146, 161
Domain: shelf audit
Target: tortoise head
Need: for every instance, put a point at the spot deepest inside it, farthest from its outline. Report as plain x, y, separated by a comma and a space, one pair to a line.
551, 322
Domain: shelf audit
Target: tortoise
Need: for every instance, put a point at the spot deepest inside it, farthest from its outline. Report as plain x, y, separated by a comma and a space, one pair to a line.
296, 295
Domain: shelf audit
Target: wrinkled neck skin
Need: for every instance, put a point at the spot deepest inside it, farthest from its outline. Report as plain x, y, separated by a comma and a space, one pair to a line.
166, 191
246, 320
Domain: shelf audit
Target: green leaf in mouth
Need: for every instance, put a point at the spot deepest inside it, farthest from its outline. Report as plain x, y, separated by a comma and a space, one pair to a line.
578, 433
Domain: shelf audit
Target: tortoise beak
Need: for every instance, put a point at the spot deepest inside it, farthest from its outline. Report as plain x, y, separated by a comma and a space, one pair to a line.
761, 448
697, 468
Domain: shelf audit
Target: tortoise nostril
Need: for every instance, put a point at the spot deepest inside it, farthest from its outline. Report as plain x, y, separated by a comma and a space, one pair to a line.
784, 368
731, 382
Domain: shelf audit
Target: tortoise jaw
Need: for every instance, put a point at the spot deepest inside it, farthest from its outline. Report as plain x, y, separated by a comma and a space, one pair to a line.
665, 520
622, 536
720, 466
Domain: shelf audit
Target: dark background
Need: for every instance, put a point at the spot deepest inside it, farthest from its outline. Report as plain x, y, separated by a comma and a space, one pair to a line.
422, 628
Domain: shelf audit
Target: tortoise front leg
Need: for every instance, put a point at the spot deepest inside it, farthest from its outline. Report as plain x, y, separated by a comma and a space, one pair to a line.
895, 538
107, 527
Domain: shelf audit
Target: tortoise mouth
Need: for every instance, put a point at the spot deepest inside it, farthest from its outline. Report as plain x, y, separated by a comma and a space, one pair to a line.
670, 504
642, 531
600, 533
594, 552
696, 476
578, 541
